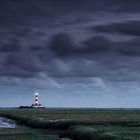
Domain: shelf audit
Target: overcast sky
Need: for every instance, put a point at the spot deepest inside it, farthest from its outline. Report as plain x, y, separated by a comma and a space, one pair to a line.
83, 53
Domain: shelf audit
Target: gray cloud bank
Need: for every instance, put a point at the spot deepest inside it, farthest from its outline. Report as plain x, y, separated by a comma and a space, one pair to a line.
129, 28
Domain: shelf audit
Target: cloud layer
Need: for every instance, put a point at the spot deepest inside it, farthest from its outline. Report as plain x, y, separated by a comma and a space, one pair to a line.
70, 47
128, 28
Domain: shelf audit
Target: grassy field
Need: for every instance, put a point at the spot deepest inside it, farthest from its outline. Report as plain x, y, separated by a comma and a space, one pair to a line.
80, 124
88, 115
24, 134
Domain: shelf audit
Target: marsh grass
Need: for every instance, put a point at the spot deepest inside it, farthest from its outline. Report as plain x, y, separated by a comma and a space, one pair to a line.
24, 134
27, 137
81, 124
88, 133
114, 117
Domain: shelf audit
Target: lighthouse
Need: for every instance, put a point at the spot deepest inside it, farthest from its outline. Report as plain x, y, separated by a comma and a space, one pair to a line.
36, 104
36, 100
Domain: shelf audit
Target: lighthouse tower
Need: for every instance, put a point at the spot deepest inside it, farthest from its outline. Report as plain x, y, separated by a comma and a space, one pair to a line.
36, 100
37, 105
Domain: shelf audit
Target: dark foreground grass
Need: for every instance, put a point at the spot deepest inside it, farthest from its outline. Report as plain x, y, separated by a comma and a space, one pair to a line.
25, 134
81, 124
92, 133
27, 137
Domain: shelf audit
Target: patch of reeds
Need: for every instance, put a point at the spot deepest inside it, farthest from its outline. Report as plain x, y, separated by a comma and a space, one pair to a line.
88, 133
27, 137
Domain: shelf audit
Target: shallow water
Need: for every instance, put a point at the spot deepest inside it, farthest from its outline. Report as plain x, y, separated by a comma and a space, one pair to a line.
7, 123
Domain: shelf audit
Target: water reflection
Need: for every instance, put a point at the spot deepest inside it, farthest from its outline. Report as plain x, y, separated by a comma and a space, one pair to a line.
6, 123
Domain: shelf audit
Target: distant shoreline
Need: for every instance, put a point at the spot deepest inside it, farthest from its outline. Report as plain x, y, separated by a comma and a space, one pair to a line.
89, 108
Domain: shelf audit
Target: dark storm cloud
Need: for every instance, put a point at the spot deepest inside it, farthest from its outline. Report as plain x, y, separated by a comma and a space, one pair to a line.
63, 45
13, 71
128, 28
122, 5
24, 61
22, 12
94, 5
131, 47
35, 48
97, 44
86, 59
19, 64
11, 46
28, 62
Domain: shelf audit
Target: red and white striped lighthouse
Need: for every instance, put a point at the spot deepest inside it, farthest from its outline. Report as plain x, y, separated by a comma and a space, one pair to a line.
36, 100
37, 105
